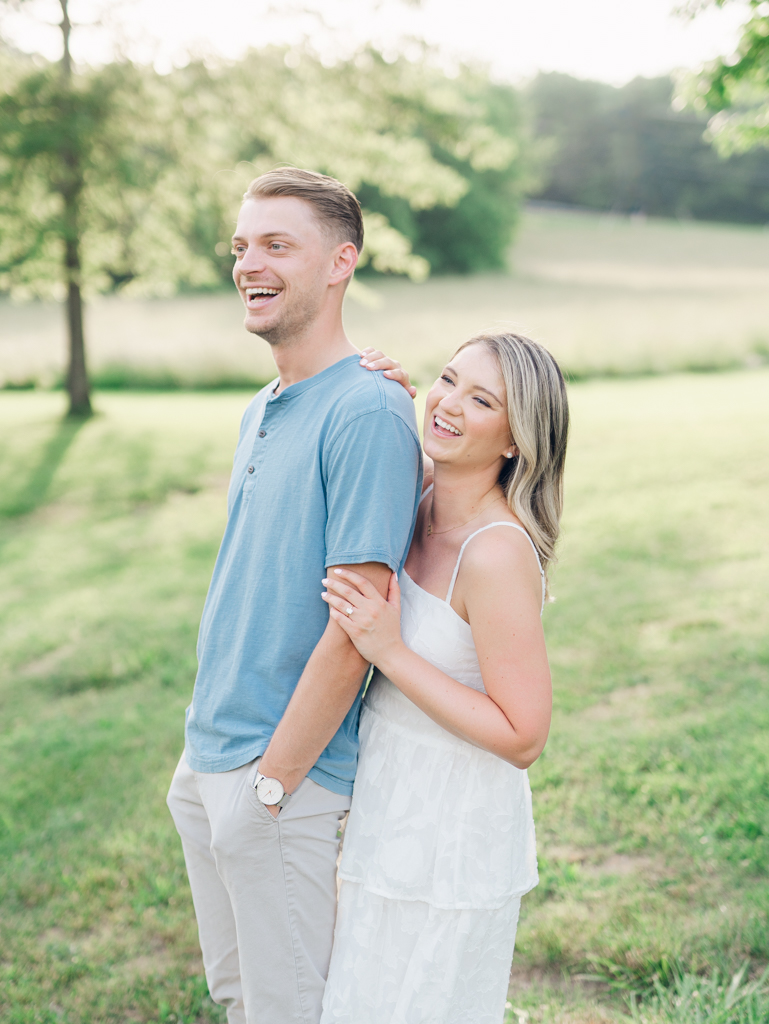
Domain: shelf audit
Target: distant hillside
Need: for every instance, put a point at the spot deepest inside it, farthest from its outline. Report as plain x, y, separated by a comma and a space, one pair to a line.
626, 150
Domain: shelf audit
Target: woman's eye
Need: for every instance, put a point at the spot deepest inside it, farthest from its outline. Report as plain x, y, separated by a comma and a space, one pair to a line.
483, 402
447, 379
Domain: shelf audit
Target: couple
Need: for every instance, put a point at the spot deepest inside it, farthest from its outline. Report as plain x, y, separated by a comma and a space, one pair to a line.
440, 587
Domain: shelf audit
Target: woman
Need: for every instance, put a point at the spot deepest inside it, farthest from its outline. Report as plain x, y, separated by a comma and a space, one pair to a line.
439, 846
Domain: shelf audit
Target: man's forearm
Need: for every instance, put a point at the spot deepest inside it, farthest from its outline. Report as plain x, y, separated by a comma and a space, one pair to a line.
323, 696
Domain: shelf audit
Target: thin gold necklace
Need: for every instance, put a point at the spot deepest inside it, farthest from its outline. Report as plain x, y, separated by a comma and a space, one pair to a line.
437, 533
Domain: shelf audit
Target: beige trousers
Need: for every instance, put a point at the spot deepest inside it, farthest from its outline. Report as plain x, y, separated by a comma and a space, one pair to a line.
264, 891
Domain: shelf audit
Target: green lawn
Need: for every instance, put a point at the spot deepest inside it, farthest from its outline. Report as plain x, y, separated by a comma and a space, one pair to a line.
652, 797
608, 295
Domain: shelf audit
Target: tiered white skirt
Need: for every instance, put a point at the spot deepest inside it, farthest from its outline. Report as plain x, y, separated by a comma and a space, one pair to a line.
439, 849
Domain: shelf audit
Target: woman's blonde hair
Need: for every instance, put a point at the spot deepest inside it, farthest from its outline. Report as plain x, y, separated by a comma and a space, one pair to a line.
538, 414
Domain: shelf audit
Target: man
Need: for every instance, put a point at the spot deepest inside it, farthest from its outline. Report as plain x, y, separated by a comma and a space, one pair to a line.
326, 473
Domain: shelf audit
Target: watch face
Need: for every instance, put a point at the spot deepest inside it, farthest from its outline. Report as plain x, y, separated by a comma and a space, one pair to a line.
269, 791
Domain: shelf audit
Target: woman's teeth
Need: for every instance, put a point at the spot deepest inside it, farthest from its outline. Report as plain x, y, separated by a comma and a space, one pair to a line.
447, 426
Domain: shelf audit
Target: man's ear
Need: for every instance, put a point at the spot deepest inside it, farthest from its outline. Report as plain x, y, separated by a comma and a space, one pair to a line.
345, 262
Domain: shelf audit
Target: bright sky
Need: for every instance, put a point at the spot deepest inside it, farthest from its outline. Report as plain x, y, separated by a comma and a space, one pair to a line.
612, 40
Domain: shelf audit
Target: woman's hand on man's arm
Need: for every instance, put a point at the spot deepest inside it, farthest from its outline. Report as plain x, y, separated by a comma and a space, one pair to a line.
371, 621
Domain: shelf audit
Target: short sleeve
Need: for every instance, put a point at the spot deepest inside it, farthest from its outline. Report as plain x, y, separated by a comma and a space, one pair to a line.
373, 473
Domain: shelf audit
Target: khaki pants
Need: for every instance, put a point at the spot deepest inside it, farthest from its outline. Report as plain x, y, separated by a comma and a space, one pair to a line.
264, 891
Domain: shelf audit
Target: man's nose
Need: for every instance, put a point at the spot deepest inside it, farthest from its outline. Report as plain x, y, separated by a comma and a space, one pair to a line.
253, 261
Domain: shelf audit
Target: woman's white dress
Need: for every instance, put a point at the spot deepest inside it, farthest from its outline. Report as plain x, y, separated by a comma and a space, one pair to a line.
438, 850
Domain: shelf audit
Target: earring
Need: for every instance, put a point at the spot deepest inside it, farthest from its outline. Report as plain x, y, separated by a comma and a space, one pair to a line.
508, 455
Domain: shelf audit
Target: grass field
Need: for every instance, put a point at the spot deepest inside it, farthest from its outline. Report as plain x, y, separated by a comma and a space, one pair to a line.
652, 797
608, 295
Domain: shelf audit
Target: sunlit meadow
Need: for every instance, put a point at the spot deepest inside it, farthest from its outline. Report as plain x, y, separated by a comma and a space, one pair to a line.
652, 797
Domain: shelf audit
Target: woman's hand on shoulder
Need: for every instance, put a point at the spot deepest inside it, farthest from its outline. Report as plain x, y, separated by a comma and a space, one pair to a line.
373, 359
371, 622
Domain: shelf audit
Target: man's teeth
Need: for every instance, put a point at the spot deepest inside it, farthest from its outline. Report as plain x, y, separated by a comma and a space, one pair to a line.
447, 426
262, 291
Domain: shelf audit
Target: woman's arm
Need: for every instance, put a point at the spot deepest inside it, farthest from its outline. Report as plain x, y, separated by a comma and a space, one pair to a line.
503, 595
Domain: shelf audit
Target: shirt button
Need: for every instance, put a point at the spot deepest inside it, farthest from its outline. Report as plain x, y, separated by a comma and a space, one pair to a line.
262, 433
250, 469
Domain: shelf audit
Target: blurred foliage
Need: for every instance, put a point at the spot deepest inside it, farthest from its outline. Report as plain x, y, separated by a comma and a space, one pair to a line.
489, 152
123, 155
737, 87
438, 162
629, 149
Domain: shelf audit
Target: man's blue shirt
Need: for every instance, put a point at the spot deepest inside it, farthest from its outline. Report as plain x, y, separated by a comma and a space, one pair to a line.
326, 472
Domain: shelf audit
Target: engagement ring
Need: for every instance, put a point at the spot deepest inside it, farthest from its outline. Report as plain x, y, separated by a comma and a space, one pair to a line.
350, 609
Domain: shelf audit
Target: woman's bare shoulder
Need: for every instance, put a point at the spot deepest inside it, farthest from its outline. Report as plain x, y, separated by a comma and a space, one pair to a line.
501, 558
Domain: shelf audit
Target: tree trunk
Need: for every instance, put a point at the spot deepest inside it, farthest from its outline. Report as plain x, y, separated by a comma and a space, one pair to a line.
77, 374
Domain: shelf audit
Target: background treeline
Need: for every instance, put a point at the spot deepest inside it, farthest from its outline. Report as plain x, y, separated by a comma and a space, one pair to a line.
154, 165
629, 150
158, 163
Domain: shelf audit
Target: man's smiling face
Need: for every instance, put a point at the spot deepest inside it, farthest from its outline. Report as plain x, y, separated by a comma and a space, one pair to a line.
283, 260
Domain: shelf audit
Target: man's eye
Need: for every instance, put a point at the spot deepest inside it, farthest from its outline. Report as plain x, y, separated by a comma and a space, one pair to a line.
276, 246
238, 250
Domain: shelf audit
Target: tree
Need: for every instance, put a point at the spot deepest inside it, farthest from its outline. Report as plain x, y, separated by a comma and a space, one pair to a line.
122, 179
50, 120
736, 87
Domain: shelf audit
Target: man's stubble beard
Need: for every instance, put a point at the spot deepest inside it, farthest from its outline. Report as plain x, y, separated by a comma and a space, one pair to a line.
291, 326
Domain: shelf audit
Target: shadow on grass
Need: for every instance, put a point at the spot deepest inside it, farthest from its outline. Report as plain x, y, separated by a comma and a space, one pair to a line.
34, 489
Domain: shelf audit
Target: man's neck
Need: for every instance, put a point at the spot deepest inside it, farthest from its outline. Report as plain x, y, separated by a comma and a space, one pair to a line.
312, 353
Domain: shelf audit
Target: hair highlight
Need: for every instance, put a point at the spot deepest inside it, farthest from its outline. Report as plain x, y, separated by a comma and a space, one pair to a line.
538, 415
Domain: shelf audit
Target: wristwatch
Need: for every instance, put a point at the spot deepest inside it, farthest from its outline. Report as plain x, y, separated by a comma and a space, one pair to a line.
270, 791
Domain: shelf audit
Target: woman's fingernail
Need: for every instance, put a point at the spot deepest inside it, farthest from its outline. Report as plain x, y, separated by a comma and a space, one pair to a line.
338, 572
324, 582
364, 362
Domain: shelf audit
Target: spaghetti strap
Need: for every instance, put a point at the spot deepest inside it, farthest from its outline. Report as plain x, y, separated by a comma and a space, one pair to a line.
425, 493
515, 526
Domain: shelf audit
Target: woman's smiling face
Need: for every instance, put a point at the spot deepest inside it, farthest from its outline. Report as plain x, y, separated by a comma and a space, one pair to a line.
466, 412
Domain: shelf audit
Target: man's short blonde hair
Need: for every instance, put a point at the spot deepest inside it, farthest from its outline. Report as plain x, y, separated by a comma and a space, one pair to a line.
335, 206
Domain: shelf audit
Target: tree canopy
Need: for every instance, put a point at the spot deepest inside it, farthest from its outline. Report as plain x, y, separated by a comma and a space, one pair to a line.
121, 178
166, 159
736, 86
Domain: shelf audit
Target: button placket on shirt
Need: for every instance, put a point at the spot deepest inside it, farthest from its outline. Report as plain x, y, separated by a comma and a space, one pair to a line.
258, 451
